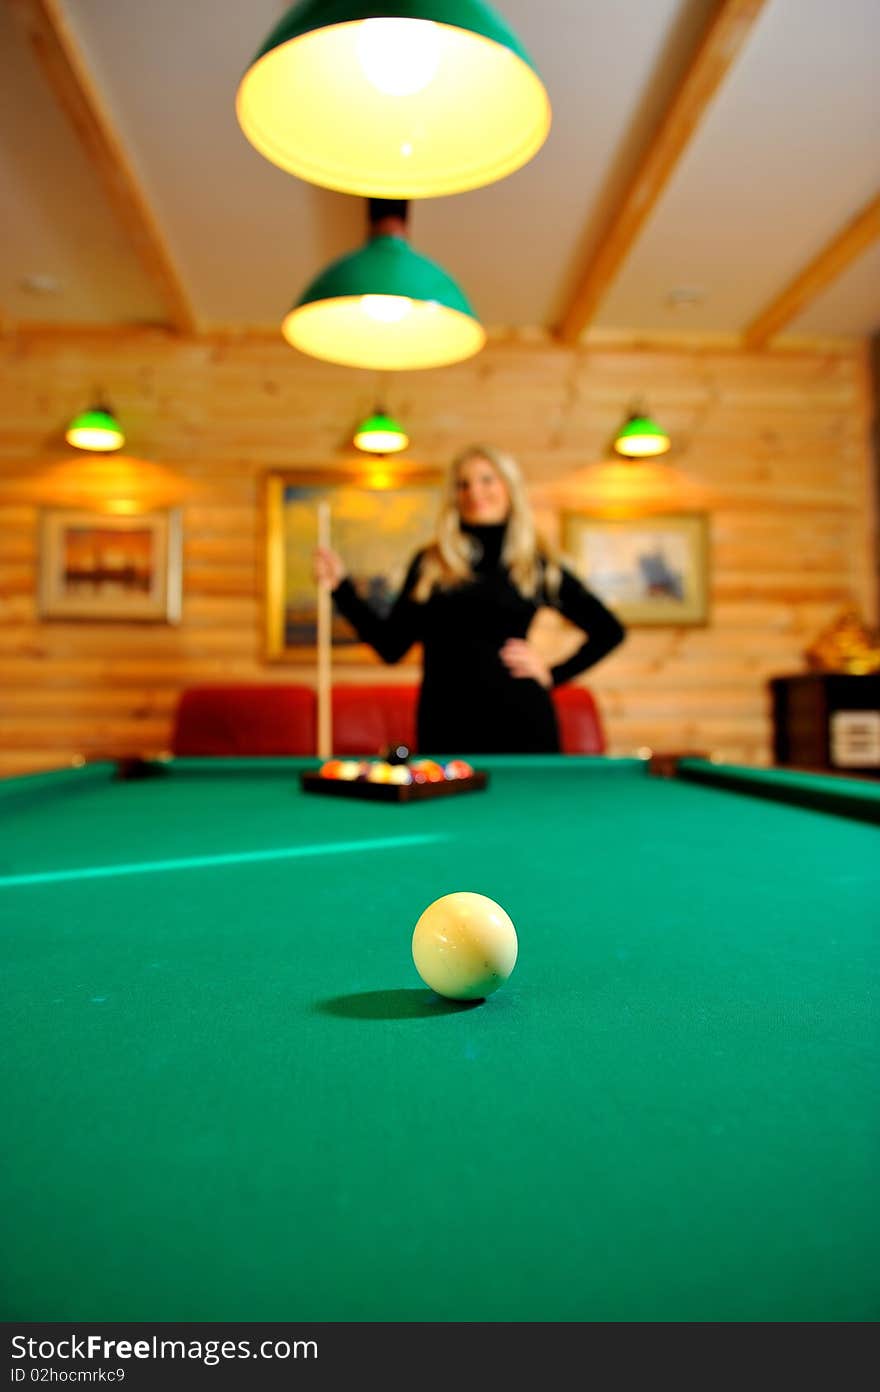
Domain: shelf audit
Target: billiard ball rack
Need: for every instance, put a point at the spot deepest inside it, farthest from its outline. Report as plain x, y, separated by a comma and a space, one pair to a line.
392, 792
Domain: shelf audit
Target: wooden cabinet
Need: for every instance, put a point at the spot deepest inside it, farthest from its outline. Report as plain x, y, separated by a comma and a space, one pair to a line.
827, 720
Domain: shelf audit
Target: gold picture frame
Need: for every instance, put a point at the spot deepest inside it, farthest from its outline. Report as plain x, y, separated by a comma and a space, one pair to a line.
104, 566
651, 569
380, 514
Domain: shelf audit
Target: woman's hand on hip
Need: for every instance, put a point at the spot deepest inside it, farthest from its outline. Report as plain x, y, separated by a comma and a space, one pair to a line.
327, 567
523, 660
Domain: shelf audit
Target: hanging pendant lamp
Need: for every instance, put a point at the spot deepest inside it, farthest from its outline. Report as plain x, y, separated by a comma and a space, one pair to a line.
394, 100
381, 434
384, 306
95, 429
641, 438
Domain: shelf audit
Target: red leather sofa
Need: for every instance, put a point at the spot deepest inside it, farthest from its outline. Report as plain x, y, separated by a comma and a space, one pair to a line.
580, 724
259, 719
367, 719
282, 719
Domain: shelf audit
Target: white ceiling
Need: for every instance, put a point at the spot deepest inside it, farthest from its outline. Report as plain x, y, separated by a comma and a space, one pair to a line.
788, 153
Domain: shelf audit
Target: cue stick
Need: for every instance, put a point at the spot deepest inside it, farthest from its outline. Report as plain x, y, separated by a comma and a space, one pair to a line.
325, 602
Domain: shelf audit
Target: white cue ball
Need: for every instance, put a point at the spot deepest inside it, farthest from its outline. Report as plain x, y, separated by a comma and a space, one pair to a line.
464, 946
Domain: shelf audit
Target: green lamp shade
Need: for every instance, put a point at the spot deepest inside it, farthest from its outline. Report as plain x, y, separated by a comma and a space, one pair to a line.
95, 429
394, 100
640, 438
381, 434
384, 307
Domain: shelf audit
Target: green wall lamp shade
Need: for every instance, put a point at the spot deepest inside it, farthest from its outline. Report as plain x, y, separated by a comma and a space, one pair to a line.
95, 429
381, 434
394, 100
384, 307
640, 438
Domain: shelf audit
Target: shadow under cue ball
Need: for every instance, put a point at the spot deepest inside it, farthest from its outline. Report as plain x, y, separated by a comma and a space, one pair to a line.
464, 946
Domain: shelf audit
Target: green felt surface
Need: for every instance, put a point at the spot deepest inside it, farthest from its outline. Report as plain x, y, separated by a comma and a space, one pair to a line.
227, 1095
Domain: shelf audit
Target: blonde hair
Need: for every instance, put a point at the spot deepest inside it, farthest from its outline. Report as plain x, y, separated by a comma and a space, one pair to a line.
448, 561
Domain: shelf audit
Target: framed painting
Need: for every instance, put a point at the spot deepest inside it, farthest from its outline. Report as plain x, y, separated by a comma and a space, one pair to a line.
123, 567
649, 570
379, 517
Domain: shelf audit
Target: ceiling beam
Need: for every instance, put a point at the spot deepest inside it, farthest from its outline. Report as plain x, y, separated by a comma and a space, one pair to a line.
853, 239
726, 34
61, 60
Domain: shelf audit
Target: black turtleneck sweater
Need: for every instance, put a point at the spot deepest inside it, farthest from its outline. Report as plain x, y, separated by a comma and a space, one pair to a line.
469, 702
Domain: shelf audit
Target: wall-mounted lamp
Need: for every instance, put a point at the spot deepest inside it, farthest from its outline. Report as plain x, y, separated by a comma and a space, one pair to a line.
640, 437
381, 434
95, 429
380, 99
384, 306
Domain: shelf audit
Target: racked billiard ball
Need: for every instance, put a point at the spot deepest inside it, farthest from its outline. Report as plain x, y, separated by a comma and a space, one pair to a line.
464, 946
379, 772
396, 754
458, 768
427, 771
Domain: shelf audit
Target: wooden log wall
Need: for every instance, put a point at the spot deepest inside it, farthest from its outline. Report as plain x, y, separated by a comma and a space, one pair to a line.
773, 446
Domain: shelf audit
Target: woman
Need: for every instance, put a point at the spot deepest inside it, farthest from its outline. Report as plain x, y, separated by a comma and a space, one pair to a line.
469, 598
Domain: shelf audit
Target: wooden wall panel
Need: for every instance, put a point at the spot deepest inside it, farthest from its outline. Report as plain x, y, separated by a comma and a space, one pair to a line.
771, 445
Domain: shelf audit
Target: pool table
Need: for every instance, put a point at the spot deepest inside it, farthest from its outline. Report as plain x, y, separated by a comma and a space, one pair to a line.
228, 1096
